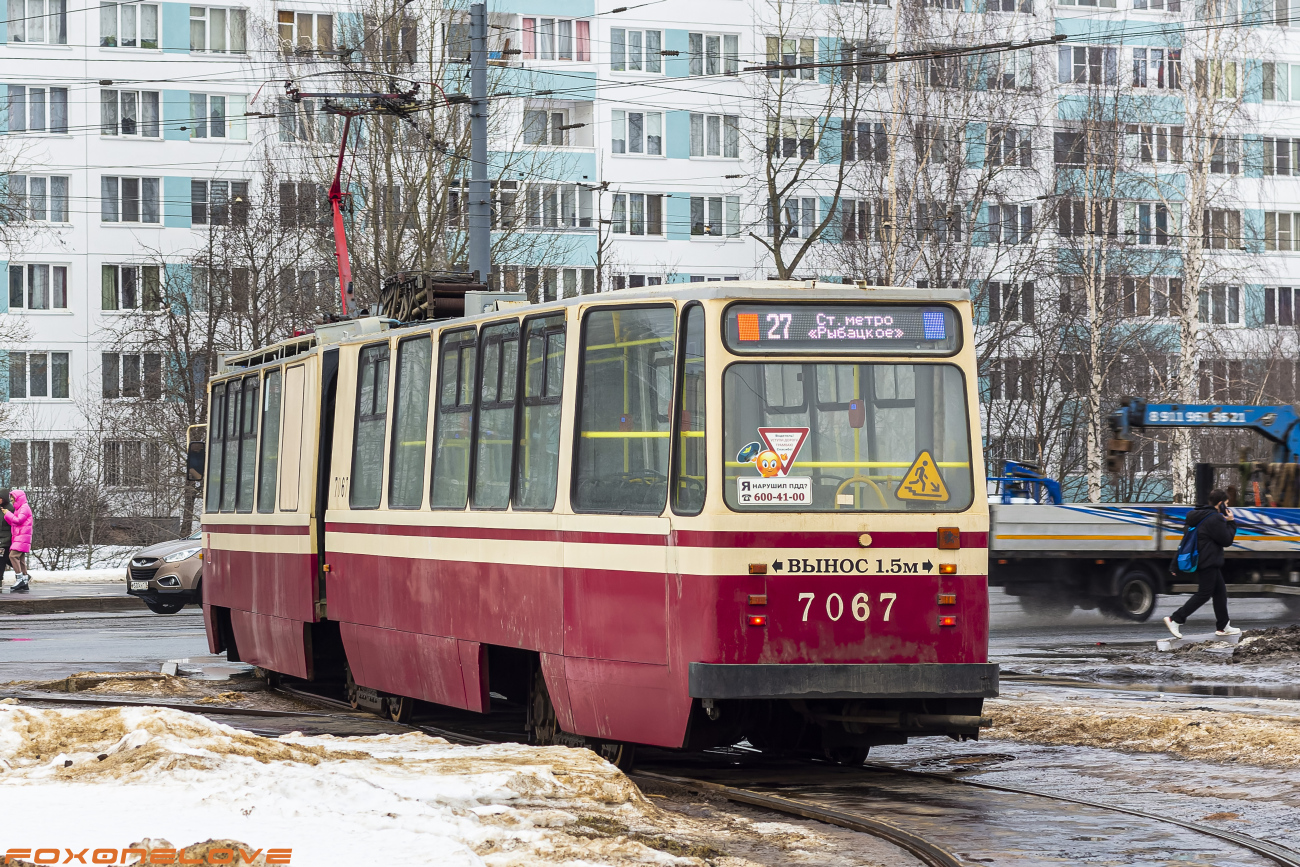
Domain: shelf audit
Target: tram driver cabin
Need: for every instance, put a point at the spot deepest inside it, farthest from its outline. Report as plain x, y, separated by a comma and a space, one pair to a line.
678, 516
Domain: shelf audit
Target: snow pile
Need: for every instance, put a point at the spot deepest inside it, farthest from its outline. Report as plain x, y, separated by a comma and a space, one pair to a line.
1256, 739
103, 778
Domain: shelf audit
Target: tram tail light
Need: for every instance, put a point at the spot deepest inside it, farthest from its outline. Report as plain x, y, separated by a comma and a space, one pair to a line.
949, 539
947, 568
948, 621
947, 598
758, 599
757, 568
758, 620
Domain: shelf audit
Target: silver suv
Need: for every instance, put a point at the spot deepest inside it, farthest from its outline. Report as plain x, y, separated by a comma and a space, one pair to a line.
169, 575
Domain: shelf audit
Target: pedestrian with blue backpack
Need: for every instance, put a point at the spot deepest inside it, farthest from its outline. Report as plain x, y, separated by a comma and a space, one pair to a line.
1208, 530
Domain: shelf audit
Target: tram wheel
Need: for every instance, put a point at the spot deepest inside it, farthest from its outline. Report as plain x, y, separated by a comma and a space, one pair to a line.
399, 708
620, 755
543, 727
353, 700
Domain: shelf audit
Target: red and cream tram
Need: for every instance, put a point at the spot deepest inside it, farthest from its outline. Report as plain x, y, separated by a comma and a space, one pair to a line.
681, 516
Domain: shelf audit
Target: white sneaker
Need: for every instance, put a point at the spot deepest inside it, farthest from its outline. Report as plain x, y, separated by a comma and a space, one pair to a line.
1228, 630
1173, 627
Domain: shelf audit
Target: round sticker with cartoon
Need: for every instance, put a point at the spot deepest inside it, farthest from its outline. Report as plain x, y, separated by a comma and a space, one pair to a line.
748, 453
768, 463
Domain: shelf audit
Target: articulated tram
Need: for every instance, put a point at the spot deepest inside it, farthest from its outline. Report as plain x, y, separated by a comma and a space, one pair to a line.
681, 516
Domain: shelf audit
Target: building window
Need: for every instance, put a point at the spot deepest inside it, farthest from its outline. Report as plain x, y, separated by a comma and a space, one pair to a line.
1149, 296
713, 54
1010, 224
1010, 302
857, 58
1009, 146
216, 203
131, 374
715, 135
1152, 223
130, 463
635, 50
546, 127
218, 30
557, 206
304, 204
130, 287
218, 116
39, 463
637, 214
304, 33
544, 284
40, 21
1158, 5
798, 219
299, 121
1221, 305
1154, 144
1225, 158
863, 219
38, 109
637, 132
1010, 378
129, 200
938, 221
1281, 156
1014, 71
1221, 229
717, 215
865, 141
1160, 68
1217, 79
790, 138
1281, 81
1087, 64
38, 287
1074, 218
784, 55
127, 25
1280, 305
556, 39
38, 375
1025, 6
40, 199
1278, 230
129, 112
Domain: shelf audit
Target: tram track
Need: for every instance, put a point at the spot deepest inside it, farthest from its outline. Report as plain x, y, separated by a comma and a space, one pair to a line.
827, 781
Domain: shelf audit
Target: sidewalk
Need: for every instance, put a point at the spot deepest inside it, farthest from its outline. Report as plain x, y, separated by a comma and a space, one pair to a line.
51, 598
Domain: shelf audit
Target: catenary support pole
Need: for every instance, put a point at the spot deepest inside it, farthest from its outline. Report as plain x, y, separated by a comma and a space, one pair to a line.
480, 228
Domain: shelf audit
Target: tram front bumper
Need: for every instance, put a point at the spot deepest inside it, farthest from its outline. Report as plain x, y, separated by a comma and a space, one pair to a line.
883, 680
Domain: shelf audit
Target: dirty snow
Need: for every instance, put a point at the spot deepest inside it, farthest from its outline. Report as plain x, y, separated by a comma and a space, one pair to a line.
110, 777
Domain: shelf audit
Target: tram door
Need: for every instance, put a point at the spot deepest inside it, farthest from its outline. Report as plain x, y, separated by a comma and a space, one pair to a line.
329, 380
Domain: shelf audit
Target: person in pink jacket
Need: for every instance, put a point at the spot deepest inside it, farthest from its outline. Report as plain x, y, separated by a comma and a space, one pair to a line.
20, 522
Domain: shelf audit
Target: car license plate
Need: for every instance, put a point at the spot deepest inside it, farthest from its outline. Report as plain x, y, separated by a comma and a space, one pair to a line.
139, 585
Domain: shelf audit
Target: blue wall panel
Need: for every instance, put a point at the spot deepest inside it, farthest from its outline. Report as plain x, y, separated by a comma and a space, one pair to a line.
678, 130
679, 41
176, 202
679, 218
176, 28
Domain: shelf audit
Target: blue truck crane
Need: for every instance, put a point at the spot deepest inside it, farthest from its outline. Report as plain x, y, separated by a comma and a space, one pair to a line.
1055, 556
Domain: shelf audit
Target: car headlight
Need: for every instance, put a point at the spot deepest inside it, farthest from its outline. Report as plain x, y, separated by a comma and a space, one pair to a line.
182, 555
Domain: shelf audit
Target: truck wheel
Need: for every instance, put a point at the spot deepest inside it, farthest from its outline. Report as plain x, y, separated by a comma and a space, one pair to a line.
1045, 606
1136, 599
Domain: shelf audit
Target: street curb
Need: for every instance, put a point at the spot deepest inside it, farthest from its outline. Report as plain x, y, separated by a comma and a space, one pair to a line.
10, 604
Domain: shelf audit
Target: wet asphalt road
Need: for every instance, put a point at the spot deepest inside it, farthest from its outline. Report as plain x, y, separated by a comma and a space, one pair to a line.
55, 645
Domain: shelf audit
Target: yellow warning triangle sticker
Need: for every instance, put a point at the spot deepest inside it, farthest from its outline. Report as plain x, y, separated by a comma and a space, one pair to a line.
922, 482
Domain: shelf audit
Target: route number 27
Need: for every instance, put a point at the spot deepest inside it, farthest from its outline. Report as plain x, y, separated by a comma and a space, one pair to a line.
860, 606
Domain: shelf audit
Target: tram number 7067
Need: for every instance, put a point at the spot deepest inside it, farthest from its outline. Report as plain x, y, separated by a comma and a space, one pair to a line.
860, 606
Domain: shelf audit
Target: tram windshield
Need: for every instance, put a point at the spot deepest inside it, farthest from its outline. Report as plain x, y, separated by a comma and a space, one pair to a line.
848, 437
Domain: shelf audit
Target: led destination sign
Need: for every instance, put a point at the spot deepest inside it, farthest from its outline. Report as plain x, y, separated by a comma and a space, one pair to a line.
842, 328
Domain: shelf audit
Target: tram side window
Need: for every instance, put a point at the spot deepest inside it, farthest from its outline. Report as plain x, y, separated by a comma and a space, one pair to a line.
216, 405
537, 464
410, 423
495, 426
230, 462
270, 449
624, 425
451, 436
372, 415
247, 446
688, 470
